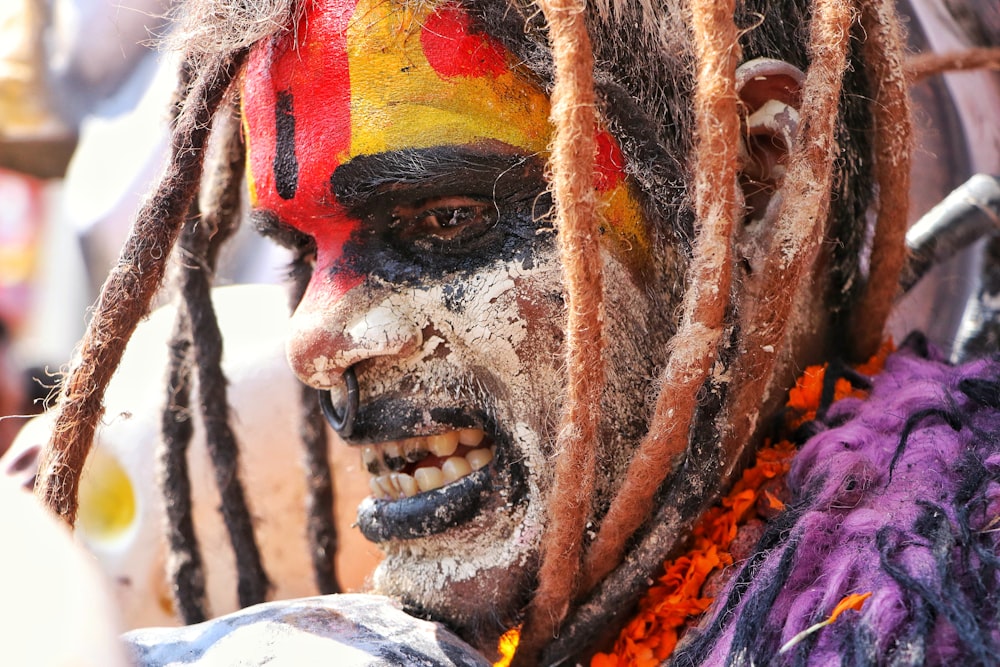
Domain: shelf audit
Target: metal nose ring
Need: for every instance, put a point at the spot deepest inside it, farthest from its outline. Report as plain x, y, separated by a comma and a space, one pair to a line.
343, 424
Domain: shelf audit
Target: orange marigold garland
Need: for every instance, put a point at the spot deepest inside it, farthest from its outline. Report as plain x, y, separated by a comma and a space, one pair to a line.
804, 397
679, 597
683, 592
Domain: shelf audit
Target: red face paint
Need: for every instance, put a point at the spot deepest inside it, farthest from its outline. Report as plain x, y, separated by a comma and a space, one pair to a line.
296, 103
421, 81
453, 51
609, 164
369, 76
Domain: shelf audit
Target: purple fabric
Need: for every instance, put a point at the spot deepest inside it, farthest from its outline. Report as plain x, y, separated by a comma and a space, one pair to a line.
897, 495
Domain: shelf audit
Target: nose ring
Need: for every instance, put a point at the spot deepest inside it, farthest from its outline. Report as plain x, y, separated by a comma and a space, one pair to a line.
343, 424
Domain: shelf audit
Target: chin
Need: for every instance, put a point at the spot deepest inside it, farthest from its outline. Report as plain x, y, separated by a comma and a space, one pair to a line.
457, 503
465, 578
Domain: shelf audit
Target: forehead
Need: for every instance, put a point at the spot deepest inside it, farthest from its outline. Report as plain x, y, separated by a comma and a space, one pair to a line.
367, 77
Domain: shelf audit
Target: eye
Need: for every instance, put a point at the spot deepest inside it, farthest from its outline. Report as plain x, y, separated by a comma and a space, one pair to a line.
443, 222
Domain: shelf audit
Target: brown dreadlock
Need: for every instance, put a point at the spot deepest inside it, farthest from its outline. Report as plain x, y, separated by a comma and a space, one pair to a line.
794, 245
574, 117
198, 337
711, 327
128, 291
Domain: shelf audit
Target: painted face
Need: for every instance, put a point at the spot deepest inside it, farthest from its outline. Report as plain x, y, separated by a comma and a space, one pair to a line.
403, 152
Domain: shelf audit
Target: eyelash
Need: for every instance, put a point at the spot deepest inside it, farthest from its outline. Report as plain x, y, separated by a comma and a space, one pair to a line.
443, 224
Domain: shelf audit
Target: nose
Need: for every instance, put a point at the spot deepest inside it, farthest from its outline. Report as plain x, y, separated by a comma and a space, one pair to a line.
329, 335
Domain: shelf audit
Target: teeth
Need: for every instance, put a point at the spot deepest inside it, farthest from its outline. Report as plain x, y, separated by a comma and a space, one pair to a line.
415, 450
407, 484
386, 461
429, 478
479, 458
371, 459
385, 482
470, 437
443, 445
454, 468
393, 455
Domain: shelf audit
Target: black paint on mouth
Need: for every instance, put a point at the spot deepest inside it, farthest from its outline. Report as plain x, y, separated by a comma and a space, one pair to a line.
426, 513
433, 512
388, 418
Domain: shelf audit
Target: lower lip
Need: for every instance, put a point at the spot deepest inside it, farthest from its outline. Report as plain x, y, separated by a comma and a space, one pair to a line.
427, 513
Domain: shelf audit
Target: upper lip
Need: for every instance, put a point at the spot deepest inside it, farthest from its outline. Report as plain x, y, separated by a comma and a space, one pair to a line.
388, 418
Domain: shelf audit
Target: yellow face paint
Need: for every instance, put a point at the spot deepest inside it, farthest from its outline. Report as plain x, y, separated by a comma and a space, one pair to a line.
625, 225
372, 77
420, 80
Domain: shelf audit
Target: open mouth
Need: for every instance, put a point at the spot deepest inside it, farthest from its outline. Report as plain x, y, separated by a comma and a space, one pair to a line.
405, 468
426, 485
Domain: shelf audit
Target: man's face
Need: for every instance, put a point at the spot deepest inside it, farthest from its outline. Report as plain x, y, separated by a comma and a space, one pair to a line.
410, 150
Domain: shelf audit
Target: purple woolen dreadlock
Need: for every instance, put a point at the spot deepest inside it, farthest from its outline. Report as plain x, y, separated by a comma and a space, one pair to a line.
932, 567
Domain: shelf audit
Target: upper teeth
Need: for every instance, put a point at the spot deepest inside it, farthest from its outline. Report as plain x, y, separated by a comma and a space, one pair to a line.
393, 456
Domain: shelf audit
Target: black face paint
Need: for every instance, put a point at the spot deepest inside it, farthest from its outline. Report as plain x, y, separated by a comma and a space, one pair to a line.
505, 214
286, 166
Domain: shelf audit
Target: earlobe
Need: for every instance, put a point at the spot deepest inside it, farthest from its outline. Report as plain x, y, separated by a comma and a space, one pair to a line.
770, 93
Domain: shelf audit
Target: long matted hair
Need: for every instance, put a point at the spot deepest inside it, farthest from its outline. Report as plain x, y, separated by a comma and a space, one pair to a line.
663, 81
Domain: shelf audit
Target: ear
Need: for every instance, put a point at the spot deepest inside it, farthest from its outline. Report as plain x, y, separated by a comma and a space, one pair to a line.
770, 92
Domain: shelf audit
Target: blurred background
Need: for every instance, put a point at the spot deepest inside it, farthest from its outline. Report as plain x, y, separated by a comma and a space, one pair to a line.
84, 94
85, 91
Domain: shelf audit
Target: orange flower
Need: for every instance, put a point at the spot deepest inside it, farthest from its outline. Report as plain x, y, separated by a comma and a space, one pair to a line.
773, 501
507, 646
674, 601
804, 397
603, 660
875, 365
853, 601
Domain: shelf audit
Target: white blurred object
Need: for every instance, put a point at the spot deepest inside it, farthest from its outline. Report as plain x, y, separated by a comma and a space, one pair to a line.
121, 517
341, 630
55, 610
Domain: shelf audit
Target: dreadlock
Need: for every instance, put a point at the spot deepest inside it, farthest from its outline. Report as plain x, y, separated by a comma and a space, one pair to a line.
707, 298
573, 148
731, 329
197, 343
128, 291
884, 52
184, 565
766, 302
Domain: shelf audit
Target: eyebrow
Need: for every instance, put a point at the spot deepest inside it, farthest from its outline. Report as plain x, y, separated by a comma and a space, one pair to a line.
437, 171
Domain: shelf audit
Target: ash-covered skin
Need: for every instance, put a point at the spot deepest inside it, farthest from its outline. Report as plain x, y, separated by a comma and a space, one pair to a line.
416, 192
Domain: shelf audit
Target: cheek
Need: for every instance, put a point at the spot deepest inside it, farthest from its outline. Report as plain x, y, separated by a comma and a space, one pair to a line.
541, 308
506, 320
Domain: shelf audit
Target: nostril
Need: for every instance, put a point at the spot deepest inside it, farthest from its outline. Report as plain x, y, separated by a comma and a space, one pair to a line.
342, 422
